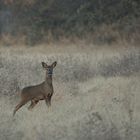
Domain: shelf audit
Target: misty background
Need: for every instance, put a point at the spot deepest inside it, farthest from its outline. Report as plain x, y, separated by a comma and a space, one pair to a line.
98, 21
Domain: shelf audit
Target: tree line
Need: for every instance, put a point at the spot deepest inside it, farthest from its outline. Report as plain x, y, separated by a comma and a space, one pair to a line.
37, 18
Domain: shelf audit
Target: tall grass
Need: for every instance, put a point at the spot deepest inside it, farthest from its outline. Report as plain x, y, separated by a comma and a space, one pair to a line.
96, 95
103, 34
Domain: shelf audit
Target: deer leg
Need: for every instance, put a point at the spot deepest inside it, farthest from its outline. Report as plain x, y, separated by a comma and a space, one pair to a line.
50, 97
19, 106
48, 100
33, 103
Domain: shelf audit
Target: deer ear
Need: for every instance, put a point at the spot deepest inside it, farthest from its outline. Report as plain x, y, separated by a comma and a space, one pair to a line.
54, 64
44, 65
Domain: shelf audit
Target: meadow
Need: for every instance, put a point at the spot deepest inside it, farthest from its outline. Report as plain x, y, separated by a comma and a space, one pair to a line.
97, 93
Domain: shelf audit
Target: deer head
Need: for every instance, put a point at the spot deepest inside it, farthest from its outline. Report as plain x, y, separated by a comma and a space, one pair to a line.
49, 68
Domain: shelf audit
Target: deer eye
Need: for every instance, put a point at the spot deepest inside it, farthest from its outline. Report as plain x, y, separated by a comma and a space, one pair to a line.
48, 69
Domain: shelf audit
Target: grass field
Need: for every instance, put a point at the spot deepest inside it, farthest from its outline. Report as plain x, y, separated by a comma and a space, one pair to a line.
97, 93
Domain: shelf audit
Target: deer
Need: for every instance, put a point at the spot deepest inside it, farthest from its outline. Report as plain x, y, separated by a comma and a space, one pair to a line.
43, 91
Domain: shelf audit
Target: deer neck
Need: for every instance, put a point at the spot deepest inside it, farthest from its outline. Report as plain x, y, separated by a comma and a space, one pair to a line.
48, 79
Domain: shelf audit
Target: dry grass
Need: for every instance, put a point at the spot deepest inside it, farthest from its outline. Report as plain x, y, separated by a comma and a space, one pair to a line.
96, 94
111, 34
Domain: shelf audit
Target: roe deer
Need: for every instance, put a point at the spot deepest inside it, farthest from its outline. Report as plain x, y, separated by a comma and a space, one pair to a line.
43, 91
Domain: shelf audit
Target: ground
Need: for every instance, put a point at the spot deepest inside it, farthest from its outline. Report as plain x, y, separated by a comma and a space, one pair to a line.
96, 93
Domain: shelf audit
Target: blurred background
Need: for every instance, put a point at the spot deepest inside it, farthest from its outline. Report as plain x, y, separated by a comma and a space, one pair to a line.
32, 22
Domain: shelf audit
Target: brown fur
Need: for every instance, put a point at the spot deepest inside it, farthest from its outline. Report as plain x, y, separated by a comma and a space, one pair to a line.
43, 91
